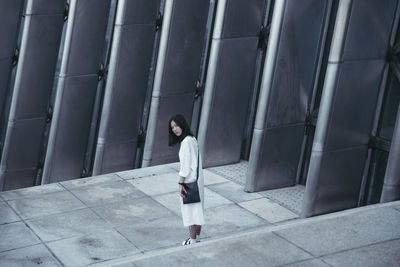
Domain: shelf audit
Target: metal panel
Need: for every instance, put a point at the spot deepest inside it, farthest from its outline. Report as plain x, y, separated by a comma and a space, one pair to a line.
297, 58
76, 90
89, 29
340, 174
279, 165
369, 29
66, 152
229, 81
30, 98
38, 66
126, 85
10, 15
137, 11
242, 18
232, 88
177, 71
354, 104
45, 7
391, 186
347, 107
297, 38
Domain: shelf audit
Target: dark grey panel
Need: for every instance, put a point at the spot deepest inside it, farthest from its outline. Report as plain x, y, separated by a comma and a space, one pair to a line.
73, 123
169, 105
296, 62
278, 164
242, 18
88, 37
131, 78
185, 43
39, 63
118, 156
232, 87
354, 104
334, 180
5, 68
391, 186
41, 7
24, 145
140, 12
19, 179
369, 29
9, 21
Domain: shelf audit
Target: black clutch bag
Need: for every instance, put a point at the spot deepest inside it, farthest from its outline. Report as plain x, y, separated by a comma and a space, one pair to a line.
192, 189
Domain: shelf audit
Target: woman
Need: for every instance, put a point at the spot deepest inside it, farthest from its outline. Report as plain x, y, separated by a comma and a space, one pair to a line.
192, 214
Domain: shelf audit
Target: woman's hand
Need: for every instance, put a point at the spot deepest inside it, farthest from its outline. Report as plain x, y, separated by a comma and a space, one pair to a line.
182, 191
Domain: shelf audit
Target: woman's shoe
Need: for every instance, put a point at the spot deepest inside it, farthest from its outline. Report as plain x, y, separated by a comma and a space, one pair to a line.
186, 242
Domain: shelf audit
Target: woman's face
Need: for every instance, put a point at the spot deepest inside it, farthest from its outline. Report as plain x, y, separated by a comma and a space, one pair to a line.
176, 129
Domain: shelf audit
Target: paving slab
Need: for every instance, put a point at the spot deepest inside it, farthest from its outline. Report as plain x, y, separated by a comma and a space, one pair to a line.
158, 184
397, 207
104, 193
176, 166
16, 235
143, 172
156, 234
308, 263
170, 201
68, 224
233, 192
84, 250
289, 197
352, 230
46, 204
382, 254
230, 219
37, 255
266, 250
268, 210
132, 211
91, 181
31, 191
7, 215
211, 178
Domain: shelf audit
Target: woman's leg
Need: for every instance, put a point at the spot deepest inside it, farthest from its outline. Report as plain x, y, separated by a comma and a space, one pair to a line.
193, 231
198, 229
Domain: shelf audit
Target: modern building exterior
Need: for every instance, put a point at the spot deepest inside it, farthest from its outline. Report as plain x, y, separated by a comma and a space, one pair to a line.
306, 91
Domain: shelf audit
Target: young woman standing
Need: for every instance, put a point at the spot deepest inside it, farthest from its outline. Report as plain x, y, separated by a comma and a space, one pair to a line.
192, 214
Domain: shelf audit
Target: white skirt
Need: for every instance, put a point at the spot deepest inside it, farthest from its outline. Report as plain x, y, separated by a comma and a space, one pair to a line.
193, 214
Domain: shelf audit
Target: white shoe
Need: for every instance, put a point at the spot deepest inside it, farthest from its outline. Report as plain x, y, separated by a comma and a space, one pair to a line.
186, 242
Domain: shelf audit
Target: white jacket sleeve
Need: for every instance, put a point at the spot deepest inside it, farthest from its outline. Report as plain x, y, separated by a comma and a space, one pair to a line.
185, 158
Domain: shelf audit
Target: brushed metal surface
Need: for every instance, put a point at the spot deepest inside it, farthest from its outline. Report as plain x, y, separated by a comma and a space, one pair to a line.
70, 129
334, 180
126, 87
88, 22
369, 30
231, 92
242, 18
177, 71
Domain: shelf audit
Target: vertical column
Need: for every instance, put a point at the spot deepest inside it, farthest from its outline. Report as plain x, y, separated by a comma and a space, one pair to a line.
76, 89
229, 80
126, 86
391, 185
177, 71
31, 93
348, 103
10, 19
292, 63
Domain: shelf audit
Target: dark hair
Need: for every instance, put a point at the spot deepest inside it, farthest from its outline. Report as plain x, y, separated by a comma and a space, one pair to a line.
182, 123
